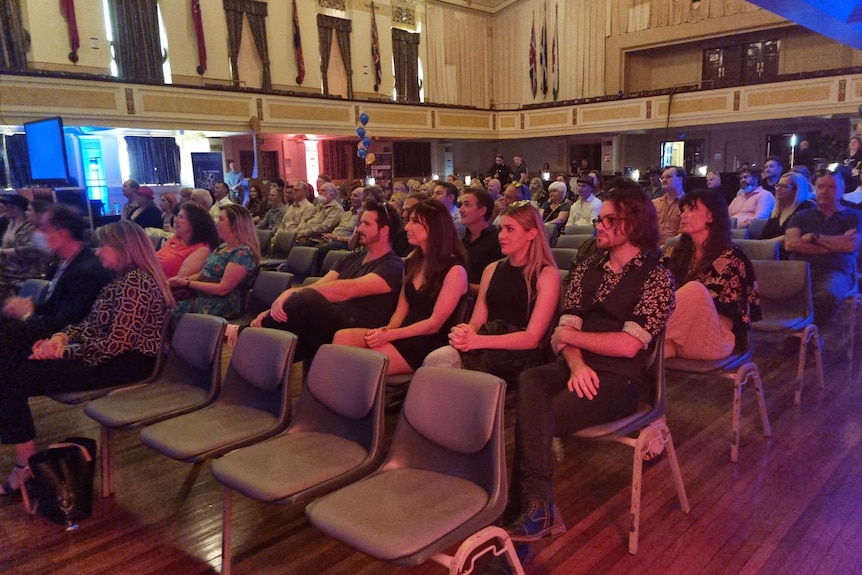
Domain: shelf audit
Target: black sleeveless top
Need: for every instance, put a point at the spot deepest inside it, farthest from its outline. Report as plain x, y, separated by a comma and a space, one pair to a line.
506, 297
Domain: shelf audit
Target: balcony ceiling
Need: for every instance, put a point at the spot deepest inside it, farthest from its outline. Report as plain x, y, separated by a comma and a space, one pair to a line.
840, 20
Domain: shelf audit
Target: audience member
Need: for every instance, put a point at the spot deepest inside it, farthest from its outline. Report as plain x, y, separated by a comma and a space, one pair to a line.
203, 198
752, 201
129, 189
772, 170
233, 178
221, 199
480, 240
324, 219
435, 281
339, 238
185, 253
668, 205
20, 257
790, 193
500, 171
654, 189
117, 343
273, 217
556, 209
713, 181
217, 288
298, 211
586, 207
519, 173
256, 205
168, 204
716, 297
854, 153
447, 194
538, 195
186, 195
146, 214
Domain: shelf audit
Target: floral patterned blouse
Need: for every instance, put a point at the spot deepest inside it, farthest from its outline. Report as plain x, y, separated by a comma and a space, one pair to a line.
127, 316
229, 305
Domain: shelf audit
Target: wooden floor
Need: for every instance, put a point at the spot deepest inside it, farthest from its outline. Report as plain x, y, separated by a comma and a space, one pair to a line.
792, 505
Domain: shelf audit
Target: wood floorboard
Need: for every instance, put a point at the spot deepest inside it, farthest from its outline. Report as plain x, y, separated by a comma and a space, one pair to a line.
791, 505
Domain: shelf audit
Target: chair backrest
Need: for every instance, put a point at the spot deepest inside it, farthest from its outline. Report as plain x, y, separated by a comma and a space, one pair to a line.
343, 395
283, 244
756, 227
268, 286
330, 258
572, 241
564, 257
452, 423
580, 230
257, 375
264, 237
299, 261
759, 249
784, 287
739, 233
35, 289
194, 353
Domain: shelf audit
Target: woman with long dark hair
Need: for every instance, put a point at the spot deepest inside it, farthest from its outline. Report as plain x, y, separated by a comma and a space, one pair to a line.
434, 283
194, 239
716, 297
117, 343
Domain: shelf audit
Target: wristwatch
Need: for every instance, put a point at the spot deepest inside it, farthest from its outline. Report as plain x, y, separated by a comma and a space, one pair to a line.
815, 236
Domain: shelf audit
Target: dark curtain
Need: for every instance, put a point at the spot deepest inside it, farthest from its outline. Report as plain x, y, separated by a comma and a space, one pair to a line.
340, 160
15, 166
137, 48
257, 13
153, 160
342, 27
14, 39
405, 51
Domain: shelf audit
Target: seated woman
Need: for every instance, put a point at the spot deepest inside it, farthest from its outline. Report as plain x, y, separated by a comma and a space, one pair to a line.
518, 297
556, 209
168, 204
790, 193
196, 236
218, 286
434, 283
117, 343
257, 205
20, 257
716, 297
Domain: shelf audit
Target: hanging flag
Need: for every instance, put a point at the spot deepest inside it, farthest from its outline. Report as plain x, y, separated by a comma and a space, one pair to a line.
533, 74
297, 47
67, 7
544, 57
375, 50
199, 34
555, 54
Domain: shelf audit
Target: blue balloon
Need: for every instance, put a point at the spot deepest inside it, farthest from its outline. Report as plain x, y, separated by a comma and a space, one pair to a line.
360, 131
363, 117
361, 153
367, 141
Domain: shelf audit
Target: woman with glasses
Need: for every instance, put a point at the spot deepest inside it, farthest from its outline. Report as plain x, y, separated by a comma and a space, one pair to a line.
517, 299
435, 281
716, 297
790, 193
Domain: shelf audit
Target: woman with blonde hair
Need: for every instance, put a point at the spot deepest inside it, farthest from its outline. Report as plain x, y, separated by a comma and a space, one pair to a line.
791, 192
518, 297
117, 343
217, 288
435, 280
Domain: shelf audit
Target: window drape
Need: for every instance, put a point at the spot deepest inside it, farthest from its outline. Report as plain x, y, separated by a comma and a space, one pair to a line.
137, 47
340, 160
405, 52
15, 173
257, 13
342, 27
14, 39
153, 160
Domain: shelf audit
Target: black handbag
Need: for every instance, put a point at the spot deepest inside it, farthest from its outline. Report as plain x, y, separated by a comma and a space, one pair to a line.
504, 363
70, 464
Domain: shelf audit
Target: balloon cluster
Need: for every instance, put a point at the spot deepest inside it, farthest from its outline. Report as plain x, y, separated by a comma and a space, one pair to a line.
364, 141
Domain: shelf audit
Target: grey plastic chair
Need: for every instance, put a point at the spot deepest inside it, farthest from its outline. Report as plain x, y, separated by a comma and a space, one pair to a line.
443, 480
759, 249
330, 258
254, 403
264, 238
299, 262
551, 234
573, 241
281, 248
190, 380
649, 425
739, 233
741, 369
336, 437
268, 285
785, 300
756, 227
564, 257
580, 230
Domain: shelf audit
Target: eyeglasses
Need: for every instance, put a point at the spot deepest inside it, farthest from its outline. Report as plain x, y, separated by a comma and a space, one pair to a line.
606, 222
780, 186
666, 178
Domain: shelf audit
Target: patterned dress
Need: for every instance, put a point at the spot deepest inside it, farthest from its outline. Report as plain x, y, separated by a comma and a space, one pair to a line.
229, 305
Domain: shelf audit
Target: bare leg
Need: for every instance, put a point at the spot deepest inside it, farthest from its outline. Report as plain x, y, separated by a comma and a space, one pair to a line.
354, 337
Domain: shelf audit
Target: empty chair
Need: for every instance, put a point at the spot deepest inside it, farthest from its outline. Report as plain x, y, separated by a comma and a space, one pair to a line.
336, 437
190, 380
299, 262
330, 258
281, 248
759, 249
580, 230
264, 237
649, 425
268, 285
756, 227
35, 289
443, 479
785, 300
564, 257
254, 403
739, 368
572, 241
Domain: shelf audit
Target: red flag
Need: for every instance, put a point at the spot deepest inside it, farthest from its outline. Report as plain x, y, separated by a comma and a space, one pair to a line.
533, 75
67, 7
199, 34
297, 47
375, 51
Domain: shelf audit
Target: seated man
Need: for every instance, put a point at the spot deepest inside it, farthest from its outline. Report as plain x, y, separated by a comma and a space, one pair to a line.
360, 291
827, 237
272, 218
617, 303
299, 210
586, 207
326, 216
752, 201
447, 194
480, 241
340, 236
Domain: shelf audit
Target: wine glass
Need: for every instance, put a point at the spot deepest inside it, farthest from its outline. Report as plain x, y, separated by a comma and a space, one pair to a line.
66, 499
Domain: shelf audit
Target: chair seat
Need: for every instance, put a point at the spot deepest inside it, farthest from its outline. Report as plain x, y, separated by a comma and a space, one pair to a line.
79, 397
795, 323
200, 432
728, 363
280, 467
620, 426
124, 410
378, 524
